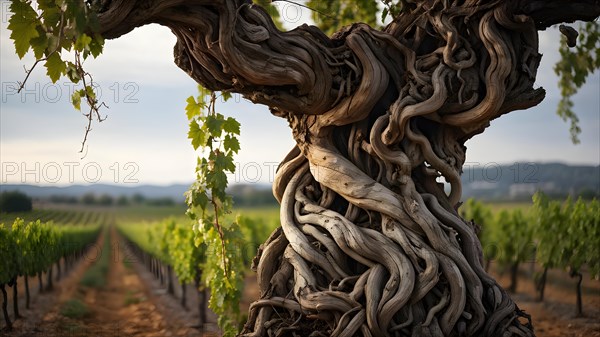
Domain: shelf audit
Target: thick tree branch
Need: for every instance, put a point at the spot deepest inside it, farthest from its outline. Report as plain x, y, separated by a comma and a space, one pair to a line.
546, 13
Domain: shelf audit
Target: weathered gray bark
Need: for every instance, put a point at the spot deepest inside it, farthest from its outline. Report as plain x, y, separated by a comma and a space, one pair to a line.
370, 244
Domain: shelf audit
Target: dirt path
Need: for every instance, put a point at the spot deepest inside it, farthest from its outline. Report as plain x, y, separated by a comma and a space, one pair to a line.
120, 308
33, 321
555, 316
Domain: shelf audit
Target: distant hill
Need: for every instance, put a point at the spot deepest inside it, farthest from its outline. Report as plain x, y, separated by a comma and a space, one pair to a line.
520, 181
487, 182
246, 194
149, 191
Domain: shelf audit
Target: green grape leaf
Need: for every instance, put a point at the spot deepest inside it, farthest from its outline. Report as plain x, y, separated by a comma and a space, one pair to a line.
82, 43
214, 125
226, 95
56, 67
197, 135
40, 44
72, 72
231, 144
23, 25
198, 198
193, 108
53, 43
218, 180
50, 13
224, 163
96, 45
76, 99
231, 126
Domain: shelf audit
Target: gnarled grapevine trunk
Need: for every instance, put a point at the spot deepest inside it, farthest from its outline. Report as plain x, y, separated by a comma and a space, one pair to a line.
370, 242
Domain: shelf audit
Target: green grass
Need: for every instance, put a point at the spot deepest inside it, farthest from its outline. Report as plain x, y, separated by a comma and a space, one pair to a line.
148, 213
267, 213
497, 207
96, 276
75, 309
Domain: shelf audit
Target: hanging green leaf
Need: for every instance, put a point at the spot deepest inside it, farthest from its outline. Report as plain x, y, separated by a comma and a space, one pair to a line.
55, 66
22, 25
197, 135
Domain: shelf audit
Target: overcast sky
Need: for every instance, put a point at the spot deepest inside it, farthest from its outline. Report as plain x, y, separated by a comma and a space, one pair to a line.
144, 139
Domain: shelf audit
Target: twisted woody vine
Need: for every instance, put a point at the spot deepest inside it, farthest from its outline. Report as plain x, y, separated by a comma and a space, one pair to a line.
370, 243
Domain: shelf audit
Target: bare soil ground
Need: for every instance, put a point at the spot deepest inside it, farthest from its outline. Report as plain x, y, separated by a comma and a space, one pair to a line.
125, 306
41, 303
555, 316
135, 303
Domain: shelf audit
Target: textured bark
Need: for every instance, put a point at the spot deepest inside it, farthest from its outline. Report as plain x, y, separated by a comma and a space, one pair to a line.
170, 288
161, 273
183, 300
58, 270
579, 304
370, 243
5, 307
40, 283
49, 283
15, 289
541, 284
202, 300
27, 293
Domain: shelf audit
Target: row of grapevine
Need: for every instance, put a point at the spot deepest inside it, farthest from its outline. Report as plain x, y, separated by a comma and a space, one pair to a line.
173, 247
568, 237
32, 248
169, 245
555, 234
43, 215
59, 217
506, 236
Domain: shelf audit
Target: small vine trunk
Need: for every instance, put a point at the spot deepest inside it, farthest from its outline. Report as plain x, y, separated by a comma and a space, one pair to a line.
201, 299
579, 306
170, 288
27, 294
49, 282
58, 270
183, 301
161, 273
370, 243
5, 307
541, 284
16, 299
40, 283
514, 275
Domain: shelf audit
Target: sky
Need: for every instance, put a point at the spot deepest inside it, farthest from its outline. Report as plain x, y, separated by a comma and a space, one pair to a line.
144, 138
